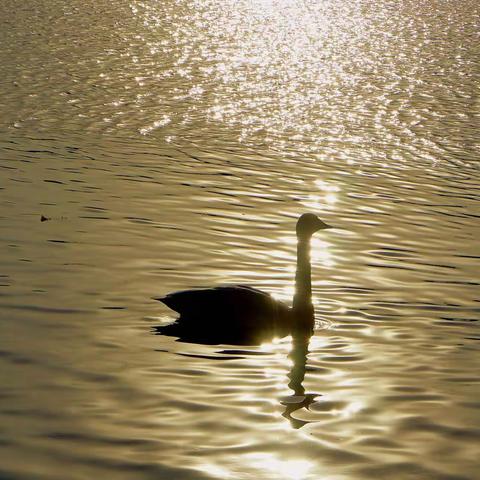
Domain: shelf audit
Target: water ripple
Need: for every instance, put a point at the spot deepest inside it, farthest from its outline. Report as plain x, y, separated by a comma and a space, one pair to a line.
153, 146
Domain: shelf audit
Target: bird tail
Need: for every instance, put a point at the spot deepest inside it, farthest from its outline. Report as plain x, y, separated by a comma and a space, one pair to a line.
170, 330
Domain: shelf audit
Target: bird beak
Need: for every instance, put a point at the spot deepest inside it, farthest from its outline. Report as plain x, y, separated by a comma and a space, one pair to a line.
324, 226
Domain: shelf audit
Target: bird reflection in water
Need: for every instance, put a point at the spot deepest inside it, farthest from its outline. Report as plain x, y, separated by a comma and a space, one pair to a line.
300, 399
242, 315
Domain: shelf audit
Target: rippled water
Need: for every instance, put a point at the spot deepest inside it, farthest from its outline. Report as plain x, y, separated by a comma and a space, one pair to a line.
173, 144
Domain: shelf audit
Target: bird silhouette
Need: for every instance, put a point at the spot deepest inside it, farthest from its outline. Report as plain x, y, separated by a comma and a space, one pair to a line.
243, 315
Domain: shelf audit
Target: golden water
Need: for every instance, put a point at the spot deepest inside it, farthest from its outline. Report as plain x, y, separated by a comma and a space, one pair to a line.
172, 144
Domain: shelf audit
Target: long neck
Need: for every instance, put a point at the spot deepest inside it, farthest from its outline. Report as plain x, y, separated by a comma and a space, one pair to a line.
302, 301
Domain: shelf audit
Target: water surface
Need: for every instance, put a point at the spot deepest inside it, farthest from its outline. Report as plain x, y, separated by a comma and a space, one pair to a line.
173, 144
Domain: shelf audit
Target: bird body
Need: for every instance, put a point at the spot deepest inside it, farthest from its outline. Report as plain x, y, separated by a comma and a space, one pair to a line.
239, 314
233, 313
224, 300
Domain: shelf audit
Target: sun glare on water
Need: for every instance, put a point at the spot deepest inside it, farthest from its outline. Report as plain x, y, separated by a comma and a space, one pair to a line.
286, 469
268, 64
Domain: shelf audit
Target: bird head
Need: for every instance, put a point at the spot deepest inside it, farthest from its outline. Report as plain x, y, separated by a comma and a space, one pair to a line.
308, 224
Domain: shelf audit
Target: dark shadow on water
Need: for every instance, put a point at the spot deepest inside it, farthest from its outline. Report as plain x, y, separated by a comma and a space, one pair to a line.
193, 331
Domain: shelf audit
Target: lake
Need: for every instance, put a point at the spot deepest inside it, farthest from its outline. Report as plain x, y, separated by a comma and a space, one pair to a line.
149, 146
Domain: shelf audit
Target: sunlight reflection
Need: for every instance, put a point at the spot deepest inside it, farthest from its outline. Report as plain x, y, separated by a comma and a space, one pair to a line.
287, 469
276, 345
330, 198
330, 406
320, 252
320, 202
279, 347
215, 471
351, 409
165, 120
317, 343
286, 53
324, 200
326, 187
288, 291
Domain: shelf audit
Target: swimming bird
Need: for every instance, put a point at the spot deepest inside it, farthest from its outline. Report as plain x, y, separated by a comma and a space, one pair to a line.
242, 315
